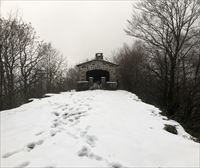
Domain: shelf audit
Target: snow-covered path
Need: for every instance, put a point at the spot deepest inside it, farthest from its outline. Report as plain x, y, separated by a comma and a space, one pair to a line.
92, 129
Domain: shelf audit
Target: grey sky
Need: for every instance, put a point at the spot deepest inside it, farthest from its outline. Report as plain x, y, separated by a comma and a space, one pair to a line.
78, 29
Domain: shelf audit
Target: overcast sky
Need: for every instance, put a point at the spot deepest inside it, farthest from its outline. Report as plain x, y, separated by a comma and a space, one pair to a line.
78, 29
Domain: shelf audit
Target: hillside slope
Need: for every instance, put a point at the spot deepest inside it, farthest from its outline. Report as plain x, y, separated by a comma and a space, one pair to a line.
92, 129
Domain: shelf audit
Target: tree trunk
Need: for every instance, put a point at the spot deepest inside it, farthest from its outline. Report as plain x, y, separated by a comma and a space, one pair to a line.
1, 80
171, 93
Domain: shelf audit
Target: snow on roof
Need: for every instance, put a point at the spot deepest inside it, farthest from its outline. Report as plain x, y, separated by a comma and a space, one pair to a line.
94, 60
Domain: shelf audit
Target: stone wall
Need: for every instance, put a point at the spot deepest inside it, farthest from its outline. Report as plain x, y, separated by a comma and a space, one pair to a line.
85, 85
97, 65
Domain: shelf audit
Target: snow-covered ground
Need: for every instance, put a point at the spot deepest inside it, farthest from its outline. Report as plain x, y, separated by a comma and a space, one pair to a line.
92, 129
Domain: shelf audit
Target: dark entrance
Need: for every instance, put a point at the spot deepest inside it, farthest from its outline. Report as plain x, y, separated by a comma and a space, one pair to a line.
97, 74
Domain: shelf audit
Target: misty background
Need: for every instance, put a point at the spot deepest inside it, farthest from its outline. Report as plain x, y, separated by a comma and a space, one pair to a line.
78, 29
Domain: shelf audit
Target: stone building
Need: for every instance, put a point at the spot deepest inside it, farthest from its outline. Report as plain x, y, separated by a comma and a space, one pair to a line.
97, 74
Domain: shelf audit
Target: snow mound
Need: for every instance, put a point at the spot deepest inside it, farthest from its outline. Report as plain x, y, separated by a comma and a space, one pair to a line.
92, 129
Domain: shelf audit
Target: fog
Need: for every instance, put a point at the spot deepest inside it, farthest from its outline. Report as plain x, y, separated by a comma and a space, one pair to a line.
78, 29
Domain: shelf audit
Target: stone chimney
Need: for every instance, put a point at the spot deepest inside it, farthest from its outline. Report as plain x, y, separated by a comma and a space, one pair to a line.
99, 56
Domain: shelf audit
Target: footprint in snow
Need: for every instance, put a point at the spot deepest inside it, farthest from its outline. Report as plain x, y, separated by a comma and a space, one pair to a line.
8, 154
78, 117
89, 108
71, 120
53, 132
65, 108
116, 165
30, 146
54, 125
22, 165
74, 123
96, 157
90, 140
55, 113
71, 108
83, 152
39, 133
87, 153
65, 115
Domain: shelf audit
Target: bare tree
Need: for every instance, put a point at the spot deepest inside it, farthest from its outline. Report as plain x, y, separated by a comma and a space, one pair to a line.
169, 27
53, 65
1, 66
9, 57
27, 67
29, 56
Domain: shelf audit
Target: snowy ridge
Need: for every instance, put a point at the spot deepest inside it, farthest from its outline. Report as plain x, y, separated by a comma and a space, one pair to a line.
92, 129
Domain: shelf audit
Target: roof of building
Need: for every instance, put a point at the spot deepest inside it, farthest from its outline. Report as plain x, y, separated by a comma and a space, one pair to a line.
97, 60
99, 57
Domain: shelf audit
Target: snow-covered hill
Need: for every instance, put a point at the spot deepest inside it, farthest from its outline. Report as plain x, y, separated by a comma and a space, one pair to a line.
92, 129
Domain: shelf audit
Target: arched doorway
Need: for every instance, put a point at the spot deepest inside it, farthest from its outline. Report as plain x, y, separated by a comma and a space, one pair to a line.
97, 74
